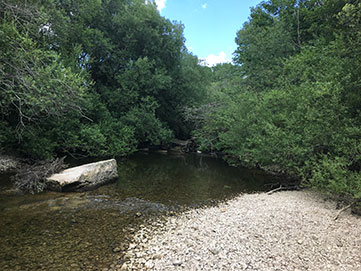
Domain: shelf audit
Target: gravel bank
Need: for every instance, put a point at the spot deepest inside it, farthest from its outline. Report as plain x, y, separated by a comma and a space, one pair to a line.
284, 231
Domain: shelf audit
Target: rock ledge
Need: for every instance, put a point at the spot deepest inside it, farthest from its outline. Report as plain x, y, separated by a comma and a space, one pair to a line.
85, 177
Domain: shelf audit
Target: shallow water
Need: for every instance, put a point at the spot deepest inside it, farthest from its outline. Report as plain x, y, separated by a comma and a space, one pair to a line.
81, 231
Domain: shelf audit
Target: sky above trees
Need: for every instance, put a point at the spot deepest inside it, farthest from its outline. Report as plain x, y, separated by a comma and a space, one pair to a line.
210, 25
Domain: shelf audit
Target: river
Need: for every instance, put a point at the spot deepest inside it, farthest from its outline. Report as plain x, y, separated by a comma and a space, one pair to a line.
90, 230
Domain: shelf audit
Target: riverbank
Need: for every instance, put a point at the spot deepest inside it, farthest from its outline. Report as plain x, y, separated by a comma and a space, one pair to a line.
292, 230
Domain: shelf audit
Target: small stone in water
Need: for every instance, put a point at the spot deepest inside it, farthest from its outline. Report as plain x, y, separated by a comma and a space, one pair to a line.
127, 256
138, 214
131, 230
116, 249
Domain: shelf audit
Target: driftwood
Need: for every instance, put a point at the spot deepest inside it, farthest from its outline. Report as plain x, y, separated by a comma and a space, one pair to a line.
289, 187
183, 145
31, 178
275, 190
342, 210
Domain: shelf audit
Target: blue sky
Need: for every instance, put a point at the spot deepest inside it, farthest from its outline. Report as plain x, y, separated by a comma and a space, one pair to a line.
210, 25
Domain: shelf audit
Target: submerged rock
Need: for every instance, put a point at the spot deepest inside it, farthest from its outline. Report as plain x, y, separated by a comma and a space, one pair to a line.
85, 177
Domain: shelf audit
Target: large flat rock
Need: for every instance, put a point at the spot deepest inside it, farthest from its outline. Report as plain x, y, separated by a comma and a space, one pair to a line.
85, 177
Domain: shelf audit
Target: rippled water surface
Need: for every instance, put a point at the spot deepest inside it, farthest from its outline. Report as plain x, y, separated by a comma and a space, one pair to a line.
88, 231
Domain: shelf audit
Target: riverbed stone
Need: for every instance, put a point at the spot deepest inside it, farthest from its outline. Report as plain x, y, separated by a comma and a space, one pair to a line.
177, 263
116, 249
124, 267
85, 177
149, 265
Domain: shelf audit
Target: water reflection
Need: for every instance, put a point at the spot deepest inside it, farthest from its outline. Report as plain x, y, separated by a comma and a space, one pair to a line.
182, 180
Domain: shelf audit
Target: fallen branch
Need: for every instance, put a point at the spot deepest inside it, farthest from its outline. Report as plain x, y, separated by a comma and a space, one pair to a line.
342, 210
30, 179
275, 190
291, 187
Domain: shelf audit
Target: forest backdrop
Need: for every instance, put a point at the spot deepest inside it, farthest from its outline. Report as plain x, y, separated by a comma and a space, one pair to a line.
106, 77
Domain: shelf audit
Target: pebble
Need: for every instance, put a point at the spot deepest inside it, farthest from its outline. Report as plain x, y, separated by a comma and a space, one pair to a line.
157, 256
149, 265
127, 256
213, 251
132, 246
116, 249
131, 230
177, 263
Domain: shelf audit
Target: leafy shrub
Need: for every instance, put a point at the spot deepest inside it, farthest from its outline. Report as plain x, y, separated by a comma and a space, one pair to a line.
333, 175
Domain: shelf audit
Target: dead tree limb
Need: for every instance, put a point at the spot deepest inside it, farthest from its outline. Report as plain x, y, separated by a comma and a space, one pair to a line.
290, 187
275, 190
342, 210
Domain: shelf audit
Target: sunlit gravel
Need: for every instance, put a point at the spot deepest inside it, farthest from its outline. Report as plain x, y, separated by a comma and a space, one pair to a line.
293, 230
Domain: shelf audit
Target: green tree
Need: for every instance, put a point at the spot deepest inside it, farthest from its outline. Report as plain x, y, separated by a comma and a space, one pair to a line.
34, 82
263, 43
133, 55
306, 55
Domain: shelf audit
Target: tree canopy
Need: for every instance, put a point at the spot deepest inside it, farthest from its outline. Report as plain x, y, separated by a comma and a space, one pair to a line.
93, 77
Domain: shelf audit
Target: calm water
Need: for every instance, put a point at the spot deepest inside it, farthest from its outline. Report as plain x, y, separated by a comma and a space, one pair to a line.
79, 231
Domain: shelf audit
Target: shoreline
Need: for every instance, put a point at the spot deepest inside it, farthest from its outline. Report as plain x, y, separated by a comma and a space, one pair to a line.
288, 230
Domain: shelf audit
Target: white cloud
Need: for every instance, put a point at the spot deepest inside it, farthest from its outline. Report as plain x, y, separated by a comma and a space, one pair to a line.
204, 5
213, 60
160, 4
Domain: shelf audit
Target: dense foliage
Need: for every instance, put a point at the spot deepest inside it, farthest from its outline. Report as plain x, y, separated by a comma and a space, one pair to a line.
292, 102
92, 77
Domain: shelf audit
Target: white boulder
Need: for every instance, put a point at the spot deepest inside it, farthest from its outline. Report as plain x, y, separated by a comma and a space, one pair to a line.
85, 177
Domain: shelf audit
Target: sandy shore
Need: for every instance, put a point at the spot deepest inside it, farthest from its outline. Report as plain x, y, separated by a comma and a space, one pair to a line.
283, 231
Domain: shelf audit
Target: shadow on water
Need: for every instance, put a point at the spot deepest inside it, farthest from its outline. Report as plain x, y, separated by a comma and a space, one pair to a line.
81, 231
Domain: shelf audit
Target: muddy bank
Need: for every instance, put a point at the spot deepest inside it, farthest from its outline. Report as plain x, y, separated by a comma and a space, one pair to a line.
291, 230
